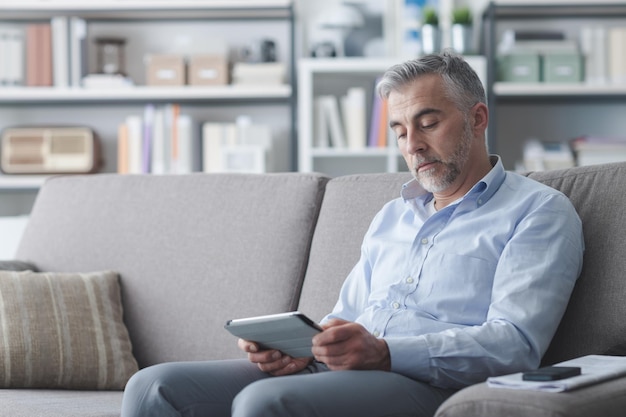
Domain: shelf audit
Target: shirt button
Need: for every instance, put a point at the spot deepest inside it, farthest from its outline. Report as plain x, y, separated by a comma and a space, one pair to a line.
396, 305
376, 333
424, 241
480, 202
410, 280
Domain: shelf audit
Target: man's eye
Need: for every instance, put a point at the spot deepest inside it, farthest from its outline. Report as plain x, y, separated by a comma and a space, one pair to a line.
429, 125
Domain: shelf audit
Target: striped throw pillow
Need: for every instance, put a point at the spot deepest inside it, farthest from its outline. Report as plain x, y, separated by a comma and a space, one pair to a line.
63, 330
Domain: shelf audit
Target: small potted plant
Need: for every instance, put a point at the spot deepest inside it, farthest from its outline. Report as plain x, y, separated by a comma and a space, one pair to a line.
431, 39
461, 36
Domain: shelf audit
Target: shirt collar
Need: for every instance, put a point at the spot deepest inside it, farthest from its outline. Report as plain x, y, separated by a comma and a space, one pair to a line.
481, 192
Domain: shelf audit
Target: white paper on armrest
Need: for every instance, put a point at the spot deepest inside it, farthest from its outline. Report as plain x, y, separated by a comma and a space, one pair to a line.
594, 369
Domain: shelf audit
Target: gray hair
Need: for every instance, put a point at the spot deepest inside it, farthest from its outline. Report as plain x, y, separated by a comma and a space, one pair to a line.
461, 82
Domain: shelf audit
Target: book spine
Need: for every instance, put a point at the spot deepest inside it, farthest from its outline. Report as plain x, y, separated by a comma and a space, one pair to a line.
60, 51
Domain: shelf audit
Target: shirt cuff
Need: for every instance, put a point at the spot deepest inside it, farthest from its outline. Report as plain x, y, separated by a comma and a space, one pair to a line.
410, 357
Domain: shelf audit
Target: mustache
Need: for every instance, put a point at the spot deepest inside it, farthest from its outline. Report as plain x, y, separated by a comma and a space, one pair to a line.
421, 160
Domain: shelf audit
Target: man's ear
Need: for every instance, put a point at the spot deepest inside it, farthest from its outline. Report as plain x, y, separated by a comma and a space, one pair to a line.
480, 117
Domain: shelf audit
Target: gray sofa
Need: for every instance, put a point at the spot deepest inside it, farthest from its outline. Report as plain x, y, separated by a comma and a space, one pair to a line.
194, 251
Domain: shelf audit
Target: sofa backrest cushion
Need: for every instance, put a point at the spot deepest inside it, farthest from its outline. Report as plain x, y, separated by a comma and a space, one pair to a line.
349, 205
192, 250
594, 320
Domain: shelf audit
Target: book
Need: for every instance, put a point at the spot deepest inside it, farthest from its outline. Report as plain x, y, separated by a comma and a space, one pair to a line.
160, 146
185, 150
617, 55
594, 369
353, 111
375, 120
135, 140
11, 56
216, 136
593, 43
77, 50
122, 149
38, 55
60, 51
321, 125
146, 150
330, 108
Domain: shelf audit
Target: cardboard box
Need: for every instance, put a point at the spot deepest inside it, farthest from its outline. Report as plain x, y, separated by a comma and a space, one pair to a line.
520, 67
562, 68
207, 70
165, 70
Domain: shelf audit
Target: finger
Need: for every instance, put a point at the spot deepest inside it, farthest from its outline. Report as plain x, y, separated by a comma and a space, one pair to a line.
247, 346
265, 356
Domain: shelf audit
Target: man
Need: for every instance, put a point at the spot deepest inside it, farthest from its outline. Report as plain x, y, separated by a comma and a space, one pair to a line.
466, 276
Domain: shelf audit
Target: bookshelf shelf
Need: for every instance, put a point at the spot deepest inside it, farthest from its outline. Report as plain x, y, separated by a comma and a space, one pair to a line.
21, 182
505, 89
143, 93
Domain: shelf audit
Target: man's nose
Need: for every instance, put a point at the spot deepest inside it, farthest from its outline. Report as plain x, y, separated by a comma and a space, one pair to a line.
414, 143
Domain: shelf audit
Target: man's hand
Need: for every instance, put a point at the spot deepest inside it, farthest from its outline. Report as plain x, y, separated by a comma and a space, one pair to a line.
273, 361
346, 345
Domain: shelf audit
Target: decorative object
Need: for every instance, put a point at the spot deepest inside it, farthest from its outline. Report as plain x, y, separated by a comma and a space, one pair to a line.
431, 37
111, 59
461, 31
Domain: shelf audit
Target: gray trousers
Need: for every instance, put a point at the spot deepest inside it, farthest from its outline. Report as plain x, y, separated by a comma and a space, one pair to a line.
238, 388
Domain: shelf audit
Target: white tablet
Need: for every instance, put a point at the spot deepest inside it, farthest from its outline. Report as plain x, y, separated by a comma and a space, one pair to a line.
291, 333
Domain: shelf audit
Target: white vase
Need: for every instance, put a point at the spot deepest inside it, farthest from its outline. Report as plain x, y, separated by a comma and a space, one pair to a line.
461, 38
431, 39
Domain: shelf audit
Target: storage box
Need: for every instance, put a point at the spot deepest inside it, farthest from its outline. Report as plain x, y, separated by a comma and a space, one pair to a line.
562, 68
165, 69
207, 70
520, 67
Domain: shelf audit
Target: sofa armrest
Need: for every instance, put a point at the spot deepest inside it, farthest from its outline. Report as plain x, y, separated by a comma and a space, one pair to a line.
607, 399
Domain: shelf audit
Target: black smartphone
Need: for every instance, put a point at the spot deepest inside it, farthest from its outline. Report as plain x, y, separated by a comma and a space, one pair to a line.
551, 373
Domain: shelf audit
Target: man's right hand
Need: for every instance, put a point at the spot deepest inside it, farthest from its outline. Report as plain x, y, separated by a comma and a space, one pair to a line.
272, 361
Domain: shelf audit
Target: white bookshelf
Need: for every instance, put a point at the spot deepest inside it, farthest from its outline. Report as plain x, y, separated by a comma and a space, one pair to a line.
316, 76
186, 27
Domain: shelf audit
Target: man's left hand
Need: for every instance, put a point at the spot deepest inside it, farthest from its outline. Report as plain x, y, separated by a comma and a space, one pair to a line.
346, 345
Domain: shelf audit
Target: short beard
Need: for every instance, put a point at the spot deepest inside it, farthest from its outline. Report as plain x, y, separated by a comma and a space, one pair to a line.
434, 183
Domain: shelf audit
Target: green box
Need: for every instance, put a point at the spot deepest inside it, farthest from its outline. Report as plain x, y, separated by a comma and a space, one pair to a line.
520, 67
562, 68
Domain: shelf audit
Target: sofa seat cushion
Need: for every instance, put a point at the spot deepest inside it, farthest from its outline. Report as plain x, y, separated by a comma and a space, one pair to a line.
63, 330
59, 403
607, 399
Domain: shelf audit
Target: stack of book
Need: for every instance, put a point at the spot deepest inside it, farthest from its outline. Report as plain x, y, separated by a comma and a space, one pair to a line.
159, 142
259, 73
44, 54
592, 150
341, 122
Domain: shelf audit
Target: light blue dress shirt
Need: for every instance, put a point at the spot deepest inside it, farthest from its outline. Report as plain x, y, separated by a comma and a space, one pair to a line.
473, 290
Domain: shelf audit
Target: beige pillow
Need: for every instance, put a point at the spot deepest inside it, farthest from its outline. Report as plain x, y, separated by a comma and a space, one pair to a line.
63, 330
